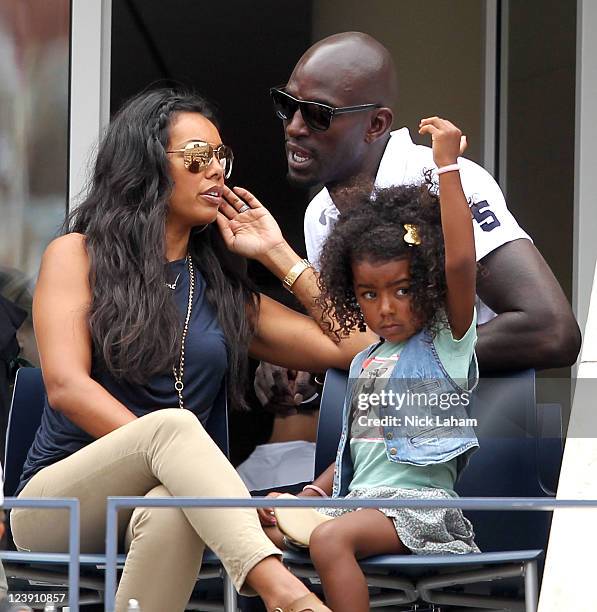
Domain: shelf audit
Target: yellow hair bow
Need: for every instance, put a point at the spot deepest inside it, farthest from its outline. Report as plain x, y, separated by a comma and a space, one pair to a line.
412, 234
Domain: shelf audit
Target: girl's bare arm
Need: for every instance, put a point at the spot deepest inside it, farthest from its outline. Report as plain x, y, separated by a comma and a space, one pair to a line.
457, 225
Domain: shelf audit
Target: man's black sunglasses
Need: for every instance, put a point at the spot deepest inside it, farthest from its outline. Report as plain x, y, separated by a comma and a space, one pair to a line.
316, 115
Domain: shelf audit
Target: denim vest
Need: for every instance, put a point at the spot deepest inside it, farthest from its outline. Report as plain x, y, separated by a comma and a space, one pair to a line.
421, 431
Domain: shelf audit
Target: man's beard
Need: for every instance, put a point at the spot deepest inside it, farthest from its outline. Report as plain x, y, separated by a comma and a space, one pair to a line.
302, 183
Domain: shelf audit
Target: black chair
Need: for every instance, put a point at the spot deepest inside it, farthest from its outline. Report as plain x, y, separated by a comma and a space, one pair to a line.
519, 456
25, 416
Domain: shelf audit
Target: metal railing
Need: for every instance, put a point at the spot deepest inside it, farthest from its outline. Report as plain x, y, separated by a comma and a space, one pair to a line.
72, 557
472, 503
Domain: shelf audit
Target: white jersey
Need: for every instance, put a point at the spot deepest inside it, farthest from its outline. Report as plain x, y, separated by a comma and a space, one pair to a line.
404, 163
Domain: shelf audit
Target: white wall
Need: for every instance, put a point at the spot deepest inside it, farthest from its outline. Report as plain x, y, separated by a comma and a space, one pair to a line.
89, 86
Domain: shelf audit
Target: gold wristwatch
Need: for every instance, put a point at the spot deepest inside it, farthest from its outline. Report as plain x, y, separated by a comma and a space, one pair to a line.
294, 272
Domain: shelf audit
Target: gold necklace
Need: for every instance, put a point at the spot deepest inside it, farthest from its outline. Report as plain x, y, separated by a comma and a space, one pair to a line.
178, 382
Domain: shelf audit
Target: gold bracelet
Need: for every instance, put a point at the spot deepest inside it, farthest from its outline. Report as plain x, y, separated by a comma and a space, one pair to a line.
294, 272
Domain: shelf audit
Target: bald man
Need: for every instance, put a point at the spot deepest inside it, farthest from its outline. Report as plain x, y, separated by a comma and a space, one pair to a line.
337, 113
525, 319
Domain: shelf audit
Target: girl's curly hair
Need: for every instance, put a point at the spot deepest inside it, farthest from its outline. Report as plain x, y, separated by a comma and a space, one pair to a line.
372, 229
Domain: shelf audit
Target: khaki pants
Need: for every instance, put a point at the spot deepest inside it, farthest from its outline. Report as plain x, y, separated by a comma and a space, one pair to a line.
165, 453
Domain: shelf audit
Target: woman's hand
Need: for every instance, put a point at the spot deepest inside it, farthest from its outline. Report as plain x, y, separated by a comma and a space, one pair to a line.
266, 515
252, 232
447, 140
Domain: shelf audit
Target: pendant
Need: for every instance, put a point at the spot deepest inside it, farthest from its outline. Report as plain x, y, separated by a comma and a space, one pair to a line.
173, 285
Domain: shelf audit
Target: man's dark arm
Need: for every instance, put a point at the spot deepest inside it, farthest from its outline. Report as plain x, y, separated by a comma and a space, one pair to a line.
535, 326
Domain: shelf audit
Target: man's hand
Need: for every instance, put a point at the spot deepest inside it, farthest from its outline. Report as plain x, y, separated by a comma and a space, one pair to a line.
278, 386
272, 385
304, 386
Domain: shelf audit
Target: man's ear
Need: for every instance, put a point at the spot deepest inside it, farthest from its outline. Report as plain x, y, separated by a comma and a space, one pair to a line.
380, 125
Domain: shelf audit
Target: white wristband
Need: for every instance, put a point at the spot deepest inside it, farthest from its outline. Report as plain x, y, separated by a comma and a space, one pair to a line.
450, 168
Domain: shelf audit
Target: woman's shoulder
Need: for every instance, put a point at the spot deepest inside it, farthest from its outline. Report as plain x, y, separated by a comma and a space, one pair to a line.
67, 246
66, 255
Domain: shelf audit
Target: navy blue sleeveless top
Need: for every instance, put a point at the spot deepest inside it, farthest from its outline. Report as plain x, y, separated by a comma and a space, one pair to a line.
205, 366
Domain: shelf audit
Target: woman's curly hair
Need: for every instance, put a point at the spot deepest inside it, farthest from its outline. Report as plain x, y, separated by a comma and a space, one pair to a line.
372, 229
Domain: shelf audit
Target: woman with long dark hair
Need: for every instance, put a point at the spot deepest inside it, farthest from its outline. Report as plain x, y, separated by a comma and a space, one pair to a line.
141, 310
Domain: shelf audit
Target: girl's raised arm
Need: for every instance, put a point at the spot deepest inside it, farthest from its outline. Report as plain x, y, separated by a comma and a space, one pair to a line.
448, 143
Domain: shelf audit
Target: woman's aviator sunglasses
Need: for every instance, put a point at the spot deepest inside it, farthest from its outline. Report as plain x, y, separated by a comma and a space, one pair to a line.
197, 155
316, 115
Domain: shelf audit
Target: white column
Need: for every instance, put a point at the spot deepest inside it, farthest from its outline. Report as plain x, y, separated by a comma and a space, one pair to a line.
502, 171
585, 207
490, 86
89, 87
569, 564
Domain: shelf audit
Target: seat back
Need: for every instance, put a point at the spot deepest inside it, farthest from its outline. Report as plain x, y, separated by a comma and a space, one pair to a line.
513, 460
26, 409
329, 426
507, 464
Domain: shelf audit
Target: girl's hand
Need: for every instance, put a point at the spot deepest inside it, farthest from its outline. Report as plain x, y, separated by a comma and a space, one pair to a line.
266, 515
447, 140
251, 233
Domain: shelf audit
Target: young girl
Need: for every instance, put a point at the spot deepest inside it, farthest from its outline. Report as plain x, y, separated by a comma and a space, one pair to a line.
394, 263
